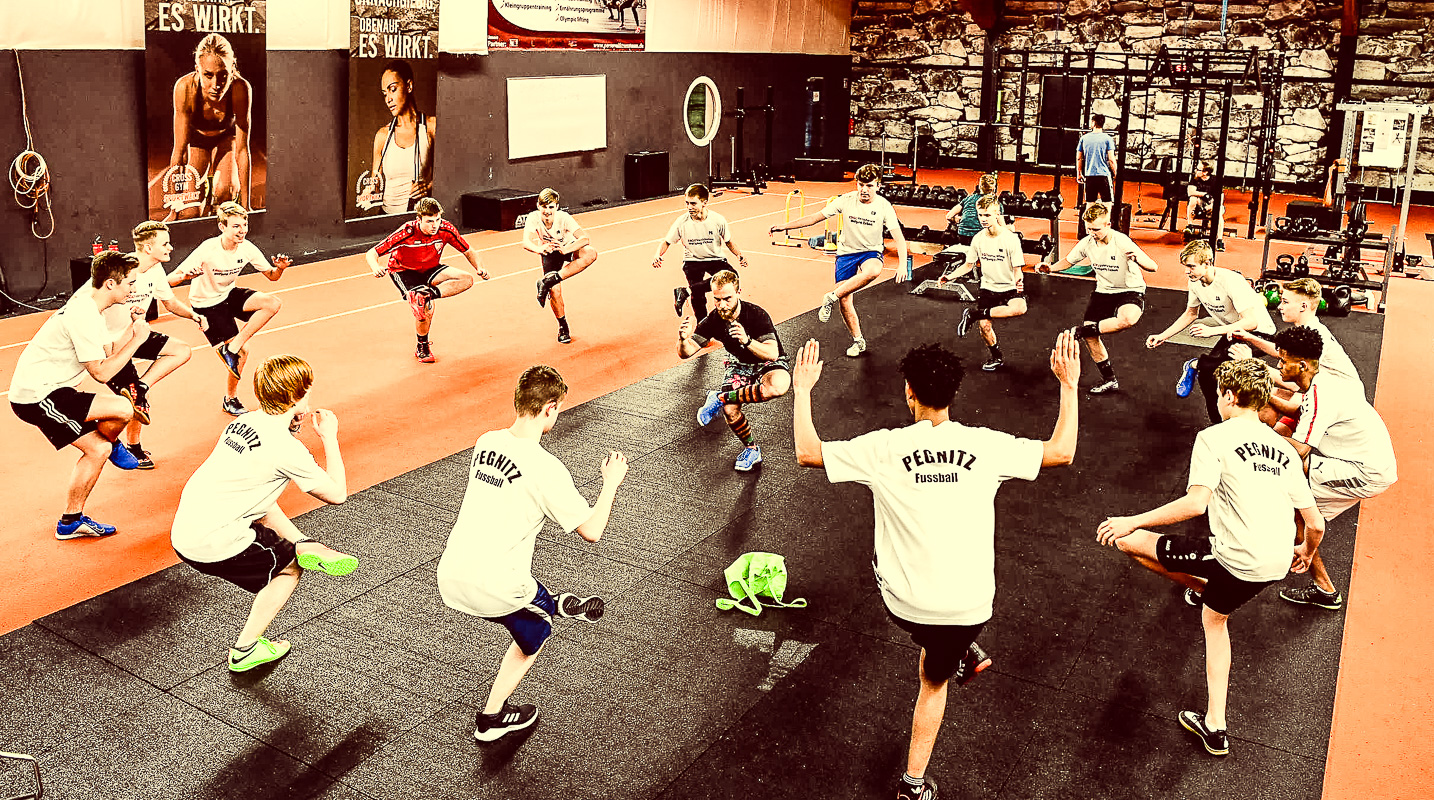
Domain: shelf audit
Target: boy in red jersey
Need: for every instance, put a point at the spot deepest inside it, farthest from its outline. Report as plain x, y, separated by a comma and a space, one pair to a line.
416, 267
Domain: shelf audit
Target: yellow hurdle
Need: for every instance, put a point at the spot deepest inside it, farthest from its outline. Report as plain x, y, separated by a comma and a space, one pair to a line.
830, 232
787, 239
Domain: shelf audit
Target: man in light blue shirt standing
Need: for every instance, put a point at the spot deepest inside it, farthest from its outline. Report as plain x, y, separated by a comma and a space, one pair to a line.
1095, 162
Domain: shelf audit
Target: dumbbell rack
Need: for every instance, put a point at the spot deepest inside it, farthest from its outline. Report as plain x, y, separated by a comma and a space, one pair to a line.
946, 200
1369, 241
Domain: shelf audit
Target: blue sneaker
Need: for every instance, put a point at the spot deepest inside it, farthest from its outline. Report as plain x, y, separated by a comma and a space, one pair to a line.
1187, 379
750, 457
84, 526
230, 359
709, 409
121, 457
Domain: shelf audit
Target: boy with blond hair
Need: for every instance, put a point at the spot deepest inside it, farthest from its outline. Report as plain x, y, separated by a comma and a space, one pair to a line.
564, 249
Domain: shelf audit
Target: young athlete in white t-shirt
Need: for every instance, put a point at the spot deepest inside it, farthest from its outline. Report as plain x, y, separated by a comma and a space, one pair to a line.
1249, 484
487, 566
865, 214
70, 345
565, 251
1119, 297
1345, 445
1229, 298
703, 234
934, 485
214, 266
998, 250
229, 523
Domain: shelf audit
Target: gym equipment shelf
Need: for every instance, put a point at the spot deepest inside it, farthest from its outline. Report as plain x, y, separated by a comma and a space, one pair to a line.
1370, 241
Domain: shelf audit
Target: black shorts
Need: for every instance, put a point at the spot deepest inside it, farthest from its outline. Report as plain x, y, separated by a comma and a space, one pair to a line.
152, 347
1192, 555
554, 261
1097, 187
60, 416
256, 565
987, 299
409, 279
1104, 306
223, 317
945, 645
699, 272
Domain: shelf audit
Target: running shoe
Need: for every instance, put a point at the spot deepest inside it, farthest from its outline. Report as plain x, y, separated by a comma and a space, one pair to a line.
927, 790
1216, 742
233, 407
709, 409
510, 718
829, 301
975, 660
84, 526
1314, 596
337, 564
545, 285
564, 337
121, 457
420, 302
141, 414
858, 346
679, 298
965, 323
587, 609
424, 353
993, 364
1186, 384
750, 458
141, 455
1107, 387
230, 359
262, 652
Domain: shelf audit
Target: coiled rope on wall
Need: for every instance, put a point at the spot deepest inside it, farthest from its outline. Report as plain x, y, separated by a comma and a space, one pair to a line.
29, 174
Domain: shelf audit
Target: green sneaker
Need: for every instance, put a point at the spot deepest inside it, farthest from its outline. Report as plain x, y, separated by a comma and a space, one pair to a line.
339, 564
262, 652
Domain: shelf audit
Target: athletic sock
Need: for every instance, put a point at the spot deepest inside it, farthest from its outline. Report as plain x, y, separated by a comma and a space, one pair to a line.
746, 394
742, 430
562, 323
246, 650
1106, 370
423, 338
134, 448
995, 350
70, 518
915, 782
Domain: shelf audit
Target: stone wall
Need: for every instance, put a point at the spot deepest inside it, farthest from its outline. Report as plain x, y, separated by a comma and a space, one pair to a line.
903, 85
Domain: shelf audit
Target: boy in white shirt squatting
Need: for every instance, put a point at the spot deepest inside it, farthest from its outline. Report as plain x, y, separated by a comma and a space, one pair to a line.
1003, 286
934, 485
486, 568
1248, 483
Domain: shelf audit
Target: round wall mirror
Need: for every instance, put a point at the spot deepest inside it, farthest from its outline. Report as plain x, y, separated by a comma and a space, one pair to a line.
702, 111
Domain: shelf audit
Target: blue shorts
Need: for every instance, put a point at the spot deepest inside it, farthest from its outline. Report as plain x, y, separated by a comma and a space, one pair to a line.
847, 265
532, 624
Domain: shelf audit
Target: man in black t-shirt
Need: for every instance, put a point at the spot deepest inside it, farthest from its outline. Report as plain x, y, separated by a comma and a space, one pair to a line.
1201, 193
756, 365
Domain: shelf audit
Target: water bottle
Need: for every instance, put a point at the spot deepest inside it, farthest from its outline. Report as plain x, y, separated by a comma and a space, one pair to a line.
99, 245
114, 245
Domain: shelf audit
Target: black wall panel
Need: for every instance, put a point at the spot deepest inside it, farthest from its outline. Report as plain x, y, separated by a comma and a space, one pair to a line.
86, 108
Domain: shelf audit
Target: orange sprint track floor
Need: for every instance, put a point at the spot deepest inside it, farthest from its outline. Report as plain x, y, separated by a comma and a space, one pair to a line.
396, 414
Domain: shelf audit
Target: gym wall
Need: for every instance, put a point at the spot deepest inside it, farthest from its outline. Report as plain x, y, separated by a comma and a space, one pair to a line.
900, 84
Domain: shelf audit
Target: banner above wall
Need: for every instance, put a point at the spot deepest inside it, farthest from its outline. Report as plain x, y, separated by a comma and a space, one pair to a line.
567, 24
204, 73
393, 89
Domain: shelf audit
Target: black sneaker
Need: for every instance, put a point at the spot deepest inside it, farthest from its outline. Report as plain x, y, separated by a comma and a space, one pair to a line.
965, 323
588, 609
975, 660
545, 285
927, 790
1193, 598
993, 364
141, 455
1216, 742
1314, 596
424, 353
231, 360
511, 718
679, 298
233, 407
564, 337
141, 413
1107, 387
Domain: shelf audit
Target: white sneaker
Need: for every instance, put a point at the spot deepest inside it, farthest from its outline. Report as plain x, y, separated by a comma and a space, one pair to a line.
858, 346
829, 301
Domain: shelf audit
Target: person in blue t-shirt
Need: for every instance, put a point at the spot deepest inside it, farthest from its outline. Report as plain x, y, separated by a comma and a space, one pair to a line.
1095, 162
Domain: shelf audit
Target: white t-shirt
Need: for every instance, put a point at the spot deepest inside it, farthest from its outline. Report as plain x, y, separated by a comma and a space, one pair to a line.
1001, 259
861, 230
562, 233
702, 240
1333, 359
1228, 297
513, 485
934, 487
217, 269
56, 355
1336, 420
240, 482
152, 284
1114, 271
1256, 481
